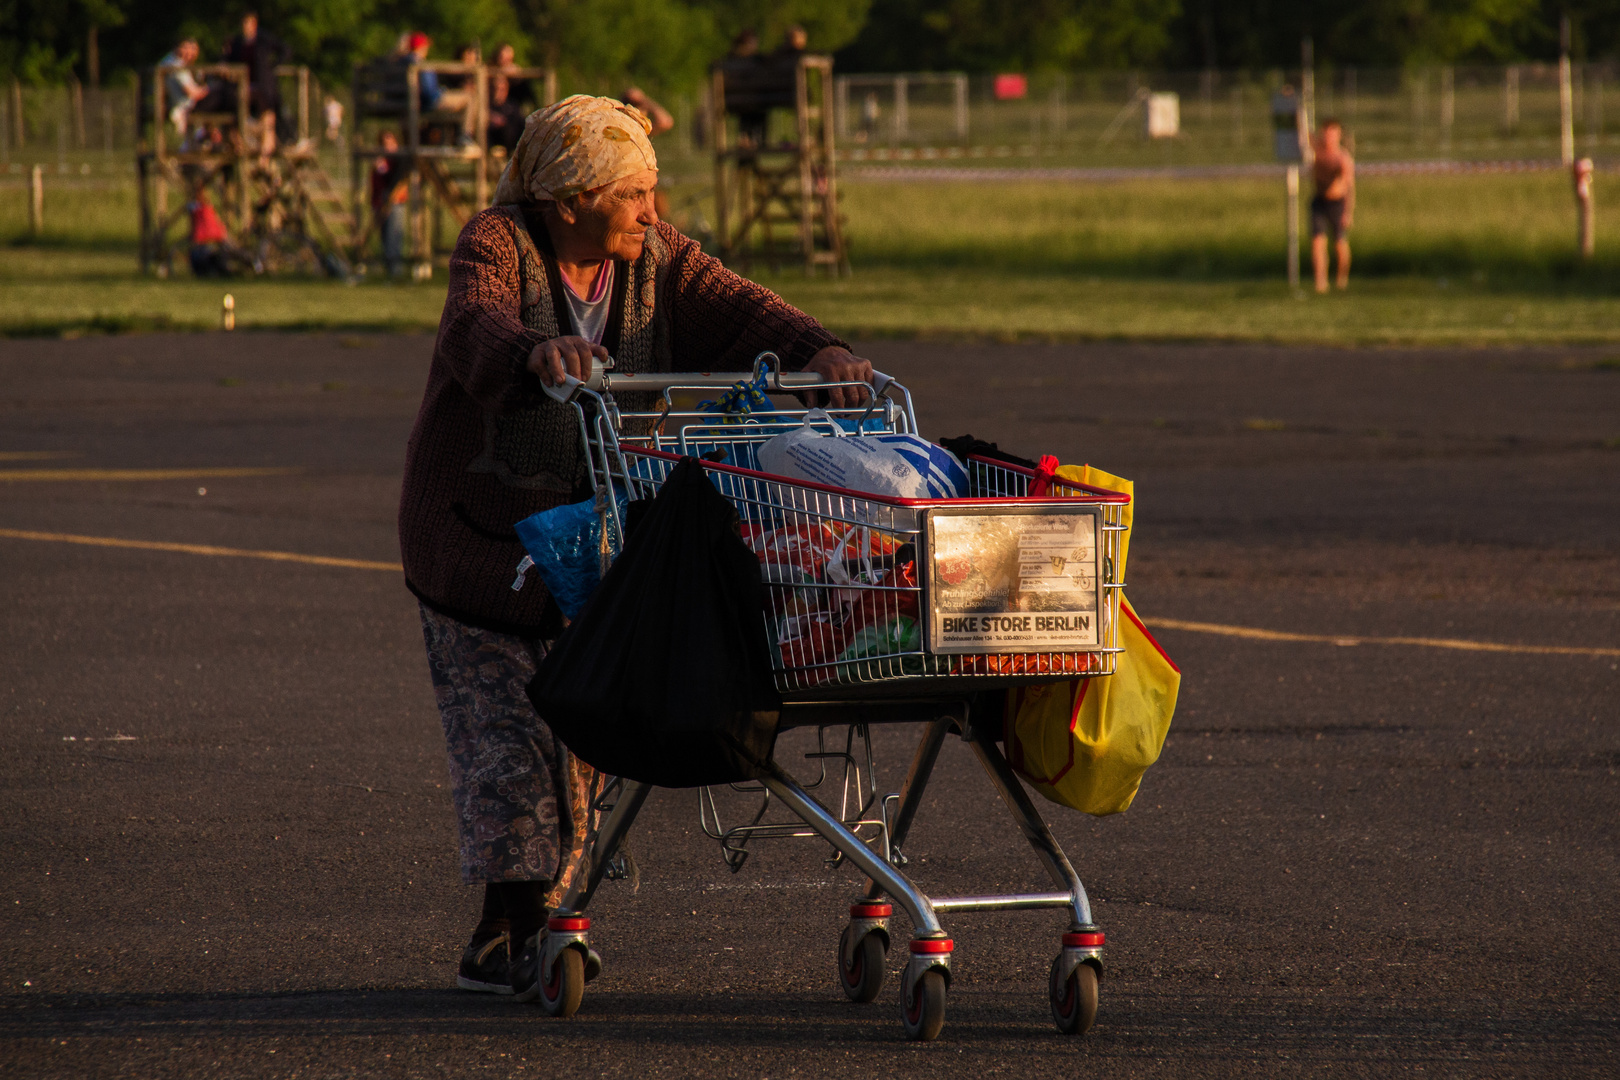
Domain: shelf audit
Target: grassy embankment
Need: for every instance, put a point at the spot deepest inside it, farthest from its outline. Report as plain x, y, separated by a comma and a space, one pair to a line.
1482, 259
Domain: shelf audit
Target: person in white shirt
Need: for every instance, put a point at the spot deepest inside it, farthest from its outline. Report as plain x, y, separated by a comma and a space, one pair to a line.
180, 86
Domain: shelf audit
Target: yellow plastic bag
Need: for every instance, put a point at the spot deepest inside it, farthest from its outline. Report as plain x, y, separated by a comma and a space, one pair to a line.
1085, 743
1094, 477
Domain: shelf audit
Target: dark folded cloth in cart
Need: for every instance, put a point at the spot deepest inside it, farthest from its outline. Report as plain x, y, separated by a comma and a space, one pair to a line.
664, 677
966, 446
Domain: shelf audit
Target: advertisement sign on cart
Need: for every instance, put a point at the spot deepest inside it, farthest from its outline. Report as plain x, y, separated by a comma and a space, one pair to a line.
1014, 582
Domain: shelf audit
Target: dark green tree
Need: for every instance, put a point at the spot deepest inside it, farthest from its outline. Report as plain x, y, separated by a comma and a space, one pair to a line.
1012, 35
45, 41
1267, 33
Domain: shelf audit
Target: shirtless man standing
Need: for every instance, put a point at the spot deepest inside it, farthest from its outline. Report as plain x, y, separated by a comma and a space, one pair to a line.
1334, 206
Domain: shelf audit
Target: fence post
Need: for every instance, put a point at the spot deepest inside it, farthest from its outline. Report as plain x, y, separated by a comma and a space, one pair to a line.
1566, 98
902, 119
960, 103
36, 200
303, 108
17, 111
1420, 86
1448, 106
77, 89
1594, 105
1307, 84
1510, 99
1293, 226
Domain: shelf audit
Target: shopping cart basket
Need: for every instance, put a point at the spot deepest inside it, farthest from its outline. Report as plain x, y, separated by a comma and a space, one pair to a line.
880, 610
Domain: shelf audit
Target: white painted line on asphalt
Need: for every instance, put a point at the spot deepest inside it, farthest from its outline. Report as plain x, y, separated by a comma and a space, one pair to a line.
1221, 629
1256, 634
34, 455
201, 549
15, 475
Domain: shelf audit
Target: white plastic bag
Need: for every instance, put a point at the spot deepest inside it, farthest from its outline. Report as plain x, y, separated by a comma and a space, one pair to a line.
906, 466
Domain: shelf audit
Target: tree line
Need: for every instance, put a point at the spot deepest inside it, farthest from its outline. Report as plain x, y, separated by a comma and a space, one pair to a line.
668, 45
594, 44
1073, 35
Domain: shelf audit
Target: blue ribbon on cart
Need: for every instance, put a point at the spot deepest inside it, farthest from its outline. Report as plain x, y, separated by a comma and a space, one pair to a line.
743, 399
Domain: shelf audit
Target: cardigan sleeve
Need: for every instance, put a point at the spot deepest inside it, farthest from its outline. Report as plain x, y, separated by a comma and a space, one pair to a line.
482, 339
721, 320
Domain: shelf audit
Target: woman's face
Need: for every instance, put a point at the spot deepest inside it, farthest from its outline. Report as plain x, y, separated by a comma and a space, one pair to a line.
616, 227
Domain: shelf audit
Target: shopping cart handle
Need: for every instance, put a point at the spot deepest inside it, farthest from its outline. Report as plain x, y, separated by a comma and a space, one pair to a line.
604, 378
801, 380
563, 392
568, 389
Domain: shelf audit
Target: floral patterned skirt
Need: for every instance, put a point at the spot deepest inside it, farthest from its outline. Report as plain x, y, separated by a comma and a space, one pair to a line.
522, 800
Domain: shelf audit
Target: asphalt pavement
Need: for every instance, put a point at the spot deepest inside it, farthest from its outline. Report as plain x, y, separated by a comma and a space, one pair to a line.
227, 848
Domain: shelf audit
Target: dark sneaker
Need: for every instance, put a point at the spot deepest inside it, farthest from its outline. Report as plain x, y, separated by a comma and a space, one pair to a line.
525, 971
485, 967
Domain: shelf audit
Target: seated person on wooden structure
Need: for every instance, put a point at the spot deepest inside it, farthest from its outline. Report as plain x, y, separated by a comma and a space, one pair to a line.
756, 84
452, 92
180, 87
519, 89
506, 115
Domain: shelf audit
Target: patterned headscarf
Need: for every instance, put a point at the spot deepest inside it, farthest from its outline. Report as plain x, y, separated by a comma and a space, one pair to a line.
575, 145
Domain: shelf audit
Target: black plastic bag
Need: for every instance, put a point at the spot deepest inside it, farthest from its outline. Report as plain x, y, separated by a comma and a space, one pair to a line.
963, 445
665, 676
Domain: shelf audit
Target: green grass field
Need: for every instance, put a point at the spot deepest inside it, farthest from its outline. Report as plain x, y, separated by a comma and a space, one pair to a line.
1482, 259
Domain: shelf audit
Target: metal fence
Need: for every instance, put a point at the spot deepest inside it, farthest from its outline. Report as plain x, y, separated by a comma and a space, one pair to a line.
1094, 118
1466, 113
68, 126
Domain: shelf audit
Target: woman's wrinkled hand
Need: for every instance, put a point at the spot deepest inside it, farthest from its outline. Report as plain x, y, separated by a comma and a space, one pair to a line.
562, 356
837, 364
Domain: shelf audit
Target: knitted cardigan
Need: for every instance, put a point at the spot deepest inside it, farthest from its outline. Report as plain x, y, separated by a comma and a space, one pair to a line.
490, 448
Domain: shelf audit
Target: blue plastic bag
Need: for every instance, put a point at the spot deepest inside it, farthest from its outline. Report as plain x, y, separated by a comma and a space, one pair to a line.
944, 474
901, 465
565, 543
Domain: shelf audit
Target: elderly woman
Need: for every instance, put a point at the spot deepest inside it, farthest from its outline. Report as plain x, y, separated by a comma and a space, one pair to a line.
571, 263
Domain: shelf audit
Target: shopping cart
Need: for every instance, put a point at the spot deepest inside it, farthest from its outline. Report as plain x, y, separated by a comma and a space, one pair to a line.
880, 611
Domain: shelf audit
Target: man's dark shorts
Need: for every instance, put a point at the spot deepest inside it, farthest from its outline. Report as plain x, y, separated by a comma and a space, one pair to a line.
1327, 215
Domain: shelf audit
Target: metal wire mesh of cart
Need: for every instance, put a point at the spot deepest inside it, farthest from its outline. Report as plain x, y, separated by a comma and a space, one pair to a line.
865, 590
850, 790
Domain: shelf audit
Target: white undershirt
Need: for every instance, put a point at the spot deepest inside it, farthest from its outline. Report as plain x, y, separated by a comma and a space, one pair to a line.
591, 313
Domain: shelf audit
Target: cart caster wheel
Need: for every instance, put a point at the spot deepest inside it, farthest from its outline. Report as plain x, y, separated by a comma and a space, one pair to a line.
1074, 1003
862, 979
561, 996
925, 1014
